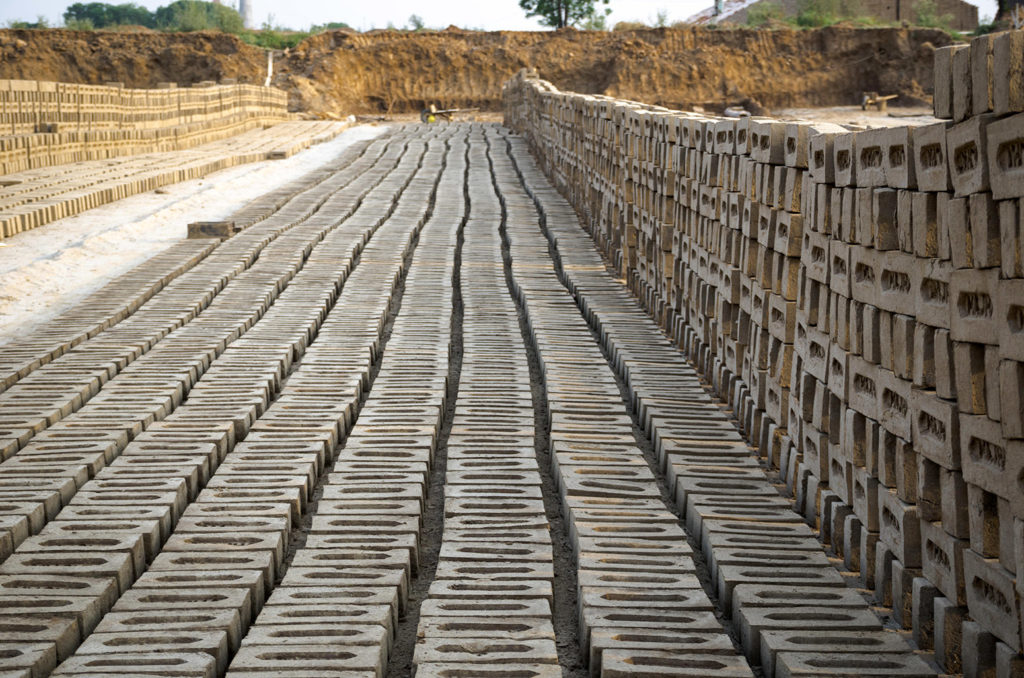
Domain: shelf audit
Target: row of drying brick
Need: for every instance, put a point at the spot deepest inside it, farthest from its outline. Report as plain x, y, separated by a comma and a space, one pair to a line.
488, 611
791, 609
642, 607
337, 608
257, 483
37, 197
124, 295
858, 312
112, 409
48, 123
29, 104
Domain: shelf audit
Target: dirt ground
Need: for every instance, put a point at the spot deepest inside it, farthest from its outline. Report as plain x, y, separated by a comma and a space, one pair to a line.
388, 72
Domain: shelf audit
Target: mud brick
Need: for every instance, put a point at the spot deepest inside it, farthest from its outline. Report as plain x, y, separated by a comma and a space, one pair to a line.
966, 148
288, 635
863, 386
196, 664
981, 74
956, 221
214, 643
483, 652
1011, 239
992, 599
936, 428
894, 404
849, 665
622, 663
948, 629
868, 555
825, 641
898, 158
924, 224
902, 593
845, 163
923, 613
943, 98
452, 670
905, 220
251, 579
973, 296
895, 273
821, 155
930, 157
984, 221
970, 377
768, 141
1007, 72
942, 560
900, 528
60, 634
883, 218
983, 513
869, 157
1009, 663
963, 96
989, 461
978, 650
923, 374
1011, 398
788, 234
1005, 153
865, 498
752, 621
840, 475
945, 371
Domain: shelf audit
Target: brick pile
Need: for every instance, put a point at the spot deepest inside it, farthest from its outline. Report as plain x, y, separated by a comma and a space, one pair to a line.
50, 123
857, 296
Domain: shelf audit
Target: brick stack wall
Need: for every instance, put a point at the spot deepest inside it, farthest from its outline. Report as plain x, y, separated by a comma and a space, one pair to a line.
857, 296
49, 123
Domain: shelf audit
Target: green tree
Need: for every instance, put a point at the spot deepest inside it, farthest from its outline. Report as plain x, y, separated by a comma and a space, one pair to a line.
102, 15
195, 15
416, 22
562, 13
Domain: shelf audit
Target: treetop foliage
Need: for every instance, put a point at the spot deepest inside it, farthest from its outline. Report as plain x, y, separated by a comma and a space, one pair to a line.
563, 13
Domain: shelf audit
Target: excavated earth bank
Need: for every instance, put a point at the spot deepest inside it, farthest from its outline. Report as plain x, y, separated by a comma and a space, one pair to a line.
340, 72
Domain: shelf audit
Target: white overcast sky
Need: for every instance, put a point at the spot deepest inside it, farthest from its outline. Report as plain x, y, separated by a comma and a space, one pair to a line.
486, 14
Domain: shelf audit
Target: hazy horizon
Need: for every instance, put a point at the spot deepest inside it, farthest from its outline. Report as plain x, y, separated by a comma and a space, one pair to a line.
503, 15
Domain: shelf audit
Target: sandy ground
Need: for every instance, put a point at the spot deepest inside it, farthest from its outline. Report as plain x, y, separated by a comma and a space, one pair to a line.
47, 270
853, 115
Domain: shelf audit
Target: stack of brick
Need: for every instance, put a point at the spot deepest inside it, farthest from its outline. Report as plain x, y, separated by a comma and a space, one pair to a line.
49, 123
857, 296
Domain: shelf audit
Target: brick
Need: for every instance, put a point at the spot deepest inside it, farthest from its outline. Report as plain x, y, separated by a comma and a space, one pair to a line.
992, 599
1005, 155
943, 86
981, 74
1008, 72
967, 150
843, 665
963, 97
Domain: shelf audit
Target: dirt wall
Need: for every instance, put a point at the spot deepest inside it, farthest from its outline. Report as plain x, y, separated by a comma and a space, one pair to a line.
139, 60
343, 72
672, 67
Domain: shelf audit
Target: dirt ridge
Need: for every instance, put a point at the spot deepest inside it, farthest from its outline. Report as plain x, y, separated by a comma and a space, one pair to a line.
341, 72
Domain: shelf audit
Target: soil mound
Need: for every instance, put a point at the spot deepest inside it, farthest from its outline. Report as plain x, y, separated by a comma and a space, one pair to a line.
388, 71
341, 72
138, 59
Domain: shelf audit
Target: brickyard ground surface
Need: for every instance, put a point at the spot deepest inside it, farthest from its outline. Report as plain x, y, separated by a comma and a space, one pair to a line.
405, 421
